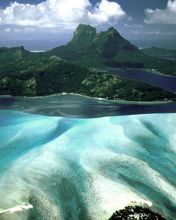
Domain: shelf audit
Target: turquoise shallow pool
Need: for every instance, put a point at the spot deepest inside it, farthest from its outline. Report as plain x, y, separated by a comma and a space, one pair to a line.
86, 168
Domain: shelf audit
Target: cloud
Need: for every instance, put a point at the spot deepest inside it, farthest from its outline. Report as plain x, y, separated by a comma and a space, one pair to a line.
162, 16
61, 13
105, 11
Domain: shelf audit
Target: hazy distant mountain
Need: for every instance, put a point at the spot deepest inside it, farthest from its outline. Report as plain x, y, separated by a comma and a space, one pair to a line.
12, 54
17, 53
160, 52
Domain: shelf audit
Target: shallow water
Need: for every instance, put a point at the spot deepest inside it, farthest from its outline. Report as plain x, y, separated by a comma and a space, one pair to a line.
86, 168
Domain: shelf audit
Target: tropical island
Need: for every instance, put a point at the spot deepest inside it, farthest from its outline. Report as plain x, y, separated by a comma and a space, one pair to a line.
81, 67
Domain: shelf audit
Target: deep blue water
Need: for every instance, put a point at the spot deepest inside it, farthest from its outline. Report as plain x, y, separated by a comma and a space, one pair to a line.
153, 78
76, 106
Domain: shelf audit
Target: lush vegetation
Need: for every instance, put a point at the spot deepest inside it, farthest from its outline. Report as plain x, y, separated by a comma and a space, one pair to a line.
108, 48
23, 73
136, 212
111, 87
52, 75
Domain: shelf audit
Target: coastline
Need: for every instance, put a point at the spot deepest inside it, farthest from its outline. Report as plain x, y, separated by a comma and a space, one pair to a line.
79, 106
115, 101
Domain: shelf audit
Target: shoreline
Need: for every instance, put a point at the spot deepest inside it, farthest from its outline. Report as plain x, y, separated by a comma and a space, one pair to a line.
78, 106
117, 101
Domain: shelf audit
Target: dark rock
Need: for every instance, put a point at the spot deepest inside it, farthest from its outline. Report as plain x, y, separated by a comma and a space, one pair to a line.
136, 213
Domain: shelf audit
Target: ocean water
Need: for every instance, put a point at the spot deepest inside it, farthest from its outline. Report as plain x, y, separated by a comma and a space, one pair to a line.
82, 169
77, 106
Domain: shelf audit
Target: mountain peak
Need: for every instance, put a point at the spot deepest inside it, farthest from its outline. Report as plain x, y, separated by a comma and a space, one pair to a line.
113, 31
83, 35
83, 29
93, 49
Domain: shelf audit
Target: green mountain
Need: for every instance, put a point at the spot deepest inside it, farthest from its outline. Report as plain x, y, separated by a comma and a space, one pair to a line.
17, 59
160, 52
10, 55
83, 37
91, 49
17, 54
64, 69
87, 47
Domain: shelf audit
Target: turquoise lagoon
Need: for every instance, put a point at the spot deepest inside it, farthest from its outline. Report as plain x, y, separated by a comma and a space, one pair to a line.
65, 168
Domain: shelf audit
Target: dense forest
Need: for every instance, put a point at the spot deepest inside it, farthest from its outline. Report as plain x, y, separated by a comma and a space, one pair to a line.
66, 68
53, 75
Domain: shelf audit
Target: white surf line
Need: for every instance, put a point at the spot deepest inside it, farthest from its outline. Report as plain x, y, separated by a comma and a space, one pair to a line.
17, 209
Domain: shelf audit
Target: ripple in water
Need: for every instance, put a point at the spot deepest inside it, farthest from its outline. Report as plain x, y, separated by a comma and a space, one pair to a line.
86, 168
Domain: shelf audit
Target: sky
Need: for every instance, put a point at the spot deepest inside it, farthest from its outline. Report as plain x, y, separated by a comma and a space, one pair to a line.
39, 24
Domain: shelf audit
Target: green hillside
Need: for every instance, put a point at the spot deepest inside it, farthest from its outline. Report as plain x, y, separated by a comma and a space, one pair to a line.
53, 75
87, 48
65, 68
17, 60
91, 49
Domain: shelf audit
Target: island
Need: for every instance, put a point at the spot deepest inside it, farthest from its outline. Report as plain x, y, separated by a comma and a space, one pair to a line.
81, 67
